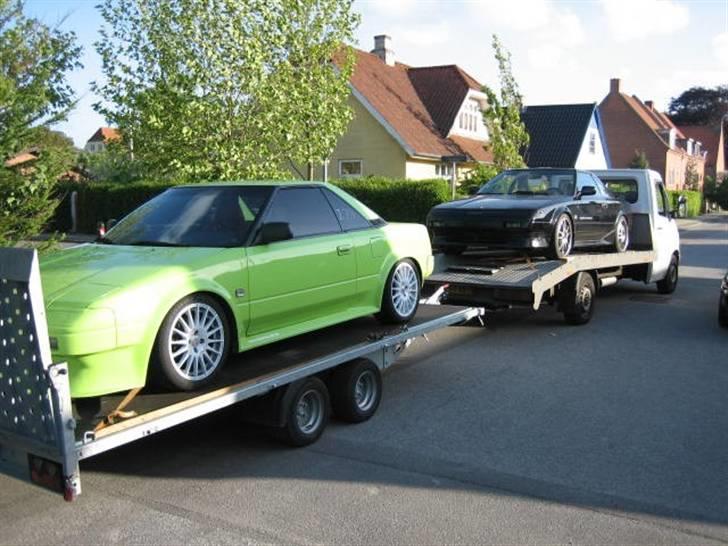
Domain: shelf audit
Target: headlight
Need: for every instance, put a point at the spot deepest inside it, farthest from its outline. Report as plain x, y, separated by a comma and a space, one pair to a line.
542, 214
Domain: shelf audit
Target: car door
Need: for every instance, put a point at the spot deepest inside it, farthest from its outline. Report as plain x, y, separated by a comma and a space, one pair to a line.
586, 211
665, 230
308, 278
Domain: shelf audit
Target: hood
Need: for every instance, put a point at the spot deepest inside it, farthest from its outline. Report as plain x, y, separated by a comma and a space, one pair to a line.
503, 202
84, 273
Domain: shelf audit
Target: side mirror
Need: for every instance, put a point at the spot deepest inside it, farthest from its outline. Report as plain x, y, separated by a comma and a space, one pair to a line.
275, 231
111, 223
586, 191
473, 190
674, 214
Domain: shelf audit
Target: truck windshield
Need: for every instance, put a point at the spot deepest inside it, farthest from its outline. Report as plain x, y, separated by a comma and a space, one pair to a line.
530, 182
212, 216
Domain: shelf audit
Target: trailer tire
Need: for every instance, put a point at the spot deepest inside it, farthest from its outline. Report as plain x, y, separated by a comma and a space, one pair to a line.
401, 295
305, 407
576, 298
669, 283
356, 391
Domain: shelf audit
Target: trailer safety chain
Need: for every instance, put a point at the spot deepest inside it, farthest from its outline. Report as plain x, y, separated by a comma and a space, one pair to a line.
119, 414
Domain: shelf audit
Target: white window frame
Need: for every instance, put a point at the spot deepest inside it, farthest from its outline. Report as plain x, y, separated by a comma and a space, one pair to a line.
361, 168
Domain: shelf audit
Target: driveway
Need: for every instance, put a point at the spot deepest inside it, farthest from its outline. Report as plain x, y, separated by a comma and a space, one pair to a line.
527, 431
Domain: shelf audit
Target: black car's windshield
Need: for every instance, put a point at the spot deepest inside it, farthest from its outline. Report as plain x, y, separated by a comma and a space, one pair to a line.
212, 216
530, 182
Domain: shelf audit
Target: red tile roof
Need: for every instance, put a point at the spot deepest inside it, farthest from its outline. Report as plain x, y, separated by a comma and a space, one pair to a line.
21, 158
418, 104
105, 134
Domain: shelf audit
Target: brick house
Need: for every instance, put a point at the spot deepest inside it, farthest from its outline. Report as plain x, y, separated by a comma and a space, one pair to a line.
713, 143
631, 126
99, 140
408, 119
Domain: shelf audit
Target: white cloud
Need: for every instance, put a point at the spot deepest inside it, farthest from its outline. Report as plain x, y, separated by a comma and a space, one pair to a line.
639, 19
521, 15
720, 48
392, 8
423, 34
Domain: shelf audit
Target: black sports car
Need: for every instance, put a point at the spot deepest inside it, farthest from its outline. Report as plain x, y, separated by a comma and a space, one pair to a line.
542, 211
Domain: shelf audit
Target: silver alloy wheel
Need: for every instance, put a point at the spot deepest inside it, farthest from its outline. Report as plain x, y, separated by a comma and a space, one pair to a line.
404, 289
196, 341
309, 411
622, 234
563, 234
365, 391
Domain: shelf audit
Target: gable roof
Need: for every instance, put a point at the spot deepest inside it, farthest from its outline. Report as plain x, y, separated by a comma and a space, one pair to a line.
655, 120
105, 134
557, 133
709, 138
416, 105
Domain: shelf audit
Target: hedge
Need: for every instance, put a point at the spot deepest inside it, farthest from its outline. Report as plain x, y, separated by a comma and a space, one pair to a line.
393, 200
694, 201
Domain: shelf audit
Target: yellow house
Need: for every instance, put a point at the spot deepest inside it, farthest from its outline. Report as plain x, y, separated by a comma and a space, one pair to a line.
409, 122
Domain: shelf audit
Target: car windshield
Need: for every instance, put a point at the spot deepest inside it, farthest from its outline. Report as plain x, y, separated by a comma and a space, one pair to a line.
530, 182
212, 216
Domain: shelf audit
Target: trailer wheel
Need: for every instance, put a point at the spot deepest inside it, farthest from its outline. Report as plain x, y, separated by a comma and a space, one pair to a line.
576, 298
356, 390
669, 283
306, 412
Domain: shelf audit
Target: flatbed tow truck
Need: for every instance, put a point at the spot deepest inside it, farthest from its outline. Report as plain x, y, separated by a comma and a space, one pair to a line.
290, 385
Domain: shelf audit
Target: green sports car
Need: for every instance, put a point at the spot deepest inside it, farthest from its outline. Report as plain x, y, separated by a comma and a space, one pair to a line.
201, 271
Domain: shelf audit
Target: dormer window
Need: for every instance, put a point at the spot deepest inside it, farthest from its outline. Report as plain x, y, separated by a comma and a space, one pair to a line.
470, 119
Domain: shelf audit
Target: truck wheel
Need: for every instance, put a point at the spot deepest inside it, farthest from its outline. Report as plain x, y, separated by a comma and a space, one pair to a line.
401, 293
621, 234
562, 239
669, 283
723, 311
192, 345
306, 412
356, 390
576, 298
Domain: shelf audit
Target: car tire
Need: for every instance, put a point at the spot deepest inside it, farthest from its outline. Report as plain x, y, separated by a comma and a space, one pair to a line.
621, 234
723, 311
306, 411
576, 298
192, 345
669, 283
401, 295
356, 391
562, 238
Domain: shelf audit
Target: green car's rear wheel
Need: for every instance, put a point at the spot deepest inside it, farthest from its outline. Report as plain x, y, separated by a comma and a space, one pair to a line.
401, 293
192, 344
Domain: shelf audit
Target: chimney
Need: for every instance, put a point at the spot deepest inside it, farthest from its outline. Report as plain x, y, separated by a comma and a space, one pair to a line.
382, 50
614, 84
650, 104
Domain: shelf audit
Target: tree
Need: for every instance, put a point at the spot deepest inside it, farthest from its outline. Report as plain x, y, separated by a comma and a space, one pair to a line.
692, 178
226, 89
700, 106
508, 138
639, 160
34, 62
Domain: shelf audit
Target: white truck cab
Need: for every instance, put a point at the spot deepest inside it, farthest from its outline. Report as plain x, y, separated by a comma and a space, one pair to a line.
653, 226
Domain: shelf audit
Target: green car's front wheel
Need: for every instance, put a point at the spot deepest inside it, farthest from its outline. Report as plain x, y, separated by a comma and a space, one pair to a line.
401, 293
192, 344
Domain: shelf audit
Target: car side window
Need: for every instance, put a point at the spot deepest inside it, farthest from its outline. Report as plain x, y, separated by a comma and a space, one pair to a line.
348, 217
306, 210
601, 190
661, 198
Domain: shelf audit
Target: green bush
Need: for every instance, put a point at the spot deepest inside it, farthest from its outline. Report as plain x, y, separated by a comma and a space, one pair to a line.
694, 203
398, 200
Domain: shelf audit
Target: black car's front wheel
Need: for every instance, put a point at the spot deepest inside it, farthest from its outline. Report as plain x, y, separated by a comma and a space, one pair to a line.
562, 240
621, 234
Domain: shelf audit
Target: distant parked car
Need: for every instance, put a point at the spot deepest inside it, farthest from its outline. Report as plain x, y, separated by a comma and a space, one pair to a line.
202, 271
542, 211
723, 303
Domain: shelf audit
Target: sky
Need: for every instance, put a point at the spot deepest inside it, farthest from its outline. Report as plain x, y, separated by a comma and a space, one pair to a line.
562, 51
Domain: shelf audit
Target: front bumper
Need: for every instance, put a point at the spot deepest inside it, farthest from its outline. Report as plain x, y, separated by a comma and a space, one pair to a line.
534, 237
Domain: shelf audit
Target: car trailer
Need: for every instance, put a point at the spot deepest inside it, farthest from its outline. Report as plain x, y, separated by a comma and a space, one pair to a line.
495, 281
289, 385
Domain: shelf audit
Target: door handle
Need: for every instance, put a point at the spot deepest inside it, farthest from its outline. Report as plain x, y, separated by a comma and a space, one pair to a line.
341, 250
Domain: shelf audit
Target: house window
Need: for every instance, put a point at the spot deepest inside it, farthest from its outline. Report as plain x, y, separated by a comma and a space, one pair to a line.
350, 168
470, 119
592, 143
443, 170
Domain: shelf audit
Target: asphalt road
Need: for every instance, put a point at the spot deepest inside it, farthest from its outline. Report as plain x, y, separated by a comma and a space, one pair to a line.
528, 431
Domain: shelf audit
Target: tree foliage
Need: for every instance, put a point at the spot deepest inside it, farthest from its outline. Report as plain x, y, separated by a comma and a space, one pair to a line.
692, 177
639, 160
508, 138
224, 89
699, 106
34, 62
